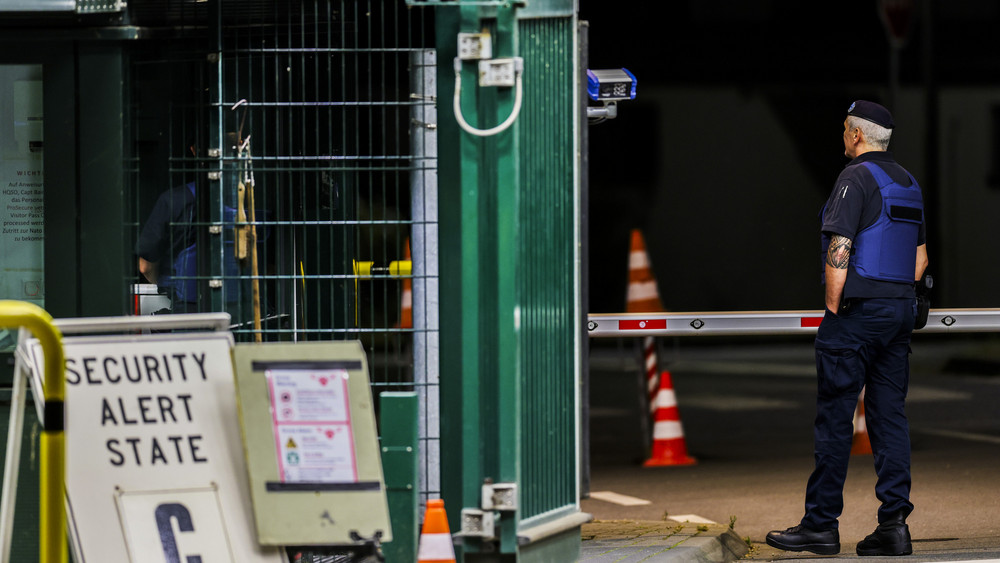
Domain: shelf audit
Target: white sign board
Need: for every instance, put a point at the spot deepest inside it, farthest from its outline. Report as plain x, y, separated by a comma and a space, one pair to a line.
154, 455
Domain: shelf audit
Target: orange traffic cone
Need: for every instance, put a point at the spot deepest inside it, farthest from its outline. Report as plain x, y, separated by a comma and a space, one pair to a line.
642, 295
669, 447
435, 538
861, 444
406, 300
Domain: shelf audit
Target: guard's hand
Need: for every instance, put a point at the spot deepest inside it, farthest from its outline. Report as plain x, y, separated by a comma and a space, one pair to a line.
923, 288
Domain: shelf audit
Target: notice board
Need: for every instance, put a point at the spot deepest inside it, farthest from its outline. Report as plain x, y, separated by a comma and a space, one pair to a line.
312, 445
155, 470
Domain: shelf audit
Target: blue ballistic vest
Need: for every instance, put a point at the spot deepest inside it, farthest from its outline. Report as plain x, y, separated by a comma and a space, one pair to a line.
887, 250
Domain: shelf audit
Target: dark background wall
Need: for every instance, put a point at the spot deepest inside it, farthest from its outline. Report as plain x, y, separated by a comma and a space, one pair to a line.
734, 141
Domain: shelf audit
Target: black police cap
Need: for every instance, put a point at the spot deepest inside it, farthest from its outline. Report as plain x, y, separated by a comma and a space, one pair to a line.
872, 112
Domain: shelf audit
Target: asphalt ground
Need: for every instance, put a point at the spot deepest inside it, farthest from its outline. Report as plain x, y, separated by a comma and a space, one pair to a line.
747, 413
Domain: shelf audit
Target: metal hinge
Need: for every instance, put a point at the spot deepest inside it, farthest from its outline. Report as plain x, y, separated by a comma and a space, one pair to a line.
478, 523
499, 496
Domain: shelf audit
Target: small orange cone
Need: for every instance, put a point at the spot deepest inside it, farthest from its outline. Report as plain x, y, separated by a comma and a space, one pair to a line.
406, 300
435, 538
861, 444
642, 295
669, 447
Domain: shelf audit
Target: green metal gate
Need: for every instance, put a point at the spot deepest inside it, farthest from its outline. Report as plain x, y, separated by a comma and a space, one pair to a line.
509, 259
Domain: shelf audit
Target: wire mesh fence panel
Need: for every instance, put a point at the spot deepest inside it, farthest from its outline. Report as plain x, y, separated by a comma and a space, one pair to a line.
301, 196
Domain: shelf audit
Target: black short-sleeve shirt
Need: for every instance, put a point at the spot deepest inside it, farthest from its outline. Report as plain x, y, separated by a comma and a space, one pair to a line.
854, 204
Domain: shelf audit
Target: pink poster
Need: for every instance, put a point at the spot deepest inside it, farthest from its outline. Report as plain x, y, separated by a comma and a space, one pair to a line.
311, 417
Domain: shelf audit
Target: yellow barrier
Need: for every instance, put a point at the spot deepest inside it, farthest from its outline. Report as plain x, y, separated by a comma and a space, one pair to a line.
52, 515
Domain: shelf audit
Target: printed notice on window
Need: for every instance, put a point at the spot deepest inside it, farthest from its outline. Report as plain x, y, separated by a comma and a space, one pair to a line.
21, 188
311, 418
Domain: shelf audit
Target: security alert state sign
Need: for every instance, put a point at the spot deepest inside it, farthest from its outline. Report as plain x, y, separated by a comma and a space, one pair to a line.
153, 444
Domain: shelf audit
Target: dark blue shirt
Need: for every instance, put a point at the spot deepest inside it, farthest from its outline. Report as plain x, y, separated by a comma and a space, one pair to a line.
854, 205
169, 228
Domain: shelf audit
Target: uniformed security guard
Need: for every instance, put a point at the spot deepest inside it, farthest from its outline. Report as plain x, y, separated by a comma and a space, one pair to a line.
874, 225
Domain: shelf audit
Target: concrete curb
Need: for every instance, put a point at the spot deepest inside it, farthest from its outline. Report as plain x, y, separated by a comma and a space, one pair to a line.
652, 541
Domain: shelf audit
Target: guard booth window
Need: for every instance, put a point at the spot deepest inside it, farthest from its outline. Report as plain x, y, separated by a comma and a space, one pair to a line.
273, 165
21, 185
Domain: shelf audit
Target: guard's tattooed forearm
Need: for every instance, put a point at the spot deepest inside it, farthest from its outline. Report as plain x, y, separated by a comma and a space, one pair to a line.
839, 253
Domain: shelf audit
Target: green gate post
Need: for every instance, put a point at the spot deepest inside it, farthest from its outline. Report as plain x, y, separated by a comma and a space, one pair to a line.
399, 424
509, 260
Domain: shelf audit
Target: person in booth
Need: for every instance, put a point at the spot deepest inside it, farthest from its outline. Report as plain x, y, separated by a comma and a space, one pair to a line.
875, 239
167, 248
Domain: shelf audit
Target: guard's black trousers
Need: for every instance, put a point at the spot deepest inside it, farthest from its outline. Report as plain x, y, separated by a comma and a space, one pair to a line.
867, 345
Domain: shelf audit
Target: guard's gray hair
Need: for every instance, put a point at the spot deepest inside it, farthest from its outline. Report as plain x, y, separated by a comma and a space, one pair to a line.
876, 135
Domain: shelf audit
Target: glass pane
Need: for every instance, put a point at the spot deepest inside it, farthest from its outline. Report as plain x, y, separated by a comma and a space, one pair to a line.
21, 184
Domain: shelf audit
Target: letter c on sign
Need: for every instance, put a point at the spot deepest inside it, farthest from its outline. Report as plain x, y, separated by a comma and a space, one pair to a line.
164, 513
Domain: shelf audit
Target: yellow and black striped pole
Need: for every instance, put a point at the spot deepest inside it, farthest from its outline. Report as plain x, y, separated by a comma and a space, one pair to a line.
52, 514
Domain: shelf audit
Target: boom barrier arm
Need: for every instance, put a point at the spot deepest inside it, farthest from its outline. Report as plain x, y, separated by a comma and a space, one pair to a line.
743, 323
52, 514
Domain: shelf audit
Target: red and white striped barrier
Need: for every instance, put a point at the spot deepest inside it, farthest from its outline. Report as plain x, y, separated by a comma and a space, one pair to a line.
765, 322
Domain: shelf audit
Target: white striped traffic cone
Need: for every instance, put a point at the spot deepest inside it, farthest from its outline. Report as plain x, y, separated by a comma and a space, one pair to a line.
435, 538
669, 447
642, 295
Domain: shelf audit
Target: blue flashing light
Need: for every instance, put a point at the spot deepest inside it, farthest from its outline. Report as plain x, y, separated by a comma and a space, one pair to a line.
611, 84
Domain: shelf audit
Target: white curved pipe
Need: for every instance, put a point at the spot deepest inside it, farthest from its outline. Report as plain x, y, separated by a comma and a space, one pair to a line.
457, 106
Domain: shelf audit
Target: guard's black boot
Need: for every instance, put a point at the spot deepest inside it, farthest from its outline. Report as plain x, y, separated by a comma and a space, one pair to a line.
891, 537
799, 538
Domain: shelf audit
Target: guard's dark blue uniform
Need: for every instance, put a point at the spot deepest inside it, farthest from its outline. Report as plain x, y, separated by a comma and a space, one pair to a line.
866, 344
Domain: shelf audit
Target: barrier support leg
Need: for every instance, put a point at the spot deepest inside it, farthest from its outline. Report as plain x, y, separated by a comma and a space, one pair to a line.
12, 463
52, 547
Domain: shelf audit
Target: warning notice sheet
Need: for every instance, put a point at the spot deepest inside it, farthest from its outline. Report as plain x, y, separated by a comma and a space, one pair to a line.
312, 425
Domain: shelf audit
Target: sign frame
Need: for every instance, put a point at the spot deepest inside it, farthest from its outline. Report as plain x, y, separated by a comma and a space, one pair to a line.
93, 491
293, 512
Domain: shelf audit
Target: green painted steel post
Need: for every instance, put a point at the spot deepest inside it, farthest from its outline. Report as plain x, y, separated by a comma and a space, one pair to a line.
451, 243
400, 439
217, 174
507, 240
460, 208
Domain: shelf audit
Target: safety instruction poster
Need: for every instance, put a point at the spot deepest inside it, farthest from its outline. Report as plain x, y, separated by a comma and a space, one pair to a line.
311, 419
